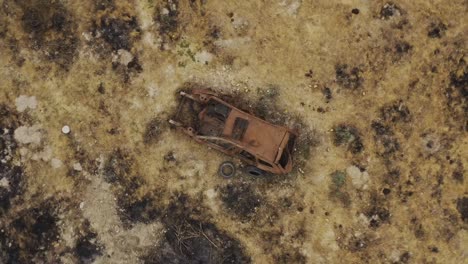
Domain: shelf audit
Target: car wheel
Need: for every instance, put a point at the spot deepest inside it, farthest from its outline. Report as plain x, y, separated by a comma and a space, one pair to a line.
254, 171
227, 169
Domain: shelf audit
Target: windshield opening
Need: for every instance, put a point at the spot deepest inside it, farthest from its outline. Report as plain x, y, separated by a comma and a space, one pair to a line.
291, 142
284, 158
218, 110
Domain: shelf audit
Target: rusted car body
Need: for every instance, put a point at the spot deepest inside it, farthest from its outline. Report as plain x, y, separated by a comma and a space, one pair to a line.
224, 127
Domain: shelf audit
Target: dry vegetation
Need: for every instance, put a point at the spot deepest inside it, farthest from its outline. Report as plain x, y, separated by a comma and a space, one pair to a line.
378, 90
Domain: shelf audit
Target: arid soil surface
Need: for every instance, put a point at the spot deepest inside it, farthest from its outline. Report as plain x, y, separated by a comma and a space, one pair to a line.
377, 89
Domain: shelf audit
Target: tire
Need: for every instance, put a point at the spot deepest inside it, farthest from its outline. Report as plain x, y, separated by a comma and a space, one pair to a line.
227, 169
254, 171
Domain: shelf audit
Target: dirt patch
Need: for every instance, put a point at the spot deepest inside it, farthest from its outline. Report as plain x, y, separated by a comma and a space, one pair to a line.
305, 144
154, 128
114, 33
357, 244
390, 146
119, 33
190, 239
389, 10
30, 236
381, 129
436, 30
417, 228
133, 210
293, 256
11, 175
127, 71
393, 116
457, 174
347, 135
457, 94
51, 29
337, 189
395, 112
348, 77
118, 166
167, 16
462, 207
87, 247
241, 199
284, 247
120, 172
392, 177
405, 257
327, 94
265, 106
402, 48
377, 213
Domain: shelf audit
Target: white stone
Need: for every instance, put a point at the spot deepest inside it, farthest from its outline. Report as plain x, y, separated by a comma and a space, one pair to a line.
358, 178
203, 57
65, 129
77, 167
56, 163
24, 102
27, 135
124, 57
210, 193
363, 219
4, 183
87, 36
394, 256
164, 11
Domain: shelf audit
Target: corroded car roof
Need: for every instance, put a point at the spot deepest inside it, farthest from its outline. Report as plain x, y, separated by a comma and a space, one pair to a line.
260, 138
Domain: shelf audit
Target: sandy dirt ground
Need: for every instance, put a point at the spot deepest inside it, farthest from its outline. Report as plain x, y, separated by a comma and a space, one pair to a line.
91, 172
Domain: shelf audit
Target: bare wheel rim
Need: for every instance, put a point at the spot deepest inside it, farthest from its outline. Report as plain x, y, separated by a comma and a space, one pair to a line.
227, 169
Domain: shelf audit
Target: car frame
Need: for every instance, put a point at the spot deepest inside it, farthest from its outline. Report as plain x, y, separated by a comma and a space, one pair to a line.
265, 147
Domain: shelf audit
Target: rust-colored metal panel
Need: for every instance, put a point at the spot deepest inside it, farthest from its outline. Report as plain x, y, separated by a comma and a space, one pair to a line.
233, 131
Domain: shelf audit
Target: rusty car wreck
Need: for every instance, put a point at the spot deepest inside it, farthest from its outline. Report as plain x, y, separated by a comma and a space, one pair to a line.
264, 147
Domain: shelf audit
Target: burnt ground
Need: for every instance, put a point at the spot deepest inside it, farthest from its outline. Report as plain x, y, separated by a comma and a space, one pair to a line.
189, 238
377, 90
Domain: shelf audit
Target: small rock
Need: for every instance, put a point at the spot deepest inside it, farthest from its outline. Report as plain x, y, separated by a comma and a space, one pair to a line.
203, 57
124, 57
56, 163
24, 102
77, 167
4, 183
27, 135
211, 193
66, 129
358, 178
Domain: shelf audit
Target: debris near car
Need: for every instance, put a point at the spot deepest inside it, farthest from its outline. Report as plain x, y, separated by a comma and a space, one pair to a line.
227, 169
210, 120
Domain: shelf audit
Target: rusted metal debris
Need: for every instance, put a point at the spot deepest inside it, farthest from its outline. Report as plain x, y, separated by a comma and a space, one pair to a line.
265, 147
